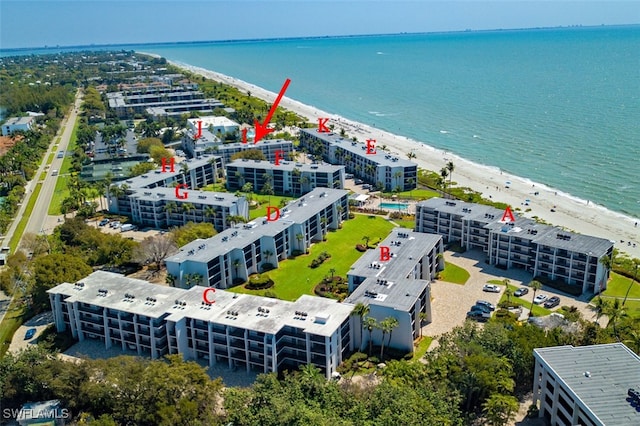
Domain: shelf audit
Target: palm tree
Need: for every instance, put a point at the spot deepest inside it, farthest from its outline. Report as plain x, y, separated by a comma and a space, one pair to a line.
299, 239
535, 285
323, 222
607, 262
184, 168
361, 310
240, 178
236, 265
600, 307
370, 324
397, 175
247, 188
450, 169
444, 173
411, 155
411, 182
508, 292
387, 325
332, 271
615, 312
304, 180
370, 169
340, 209
636, 263
186, 208
209, 212
267, 254
423, 317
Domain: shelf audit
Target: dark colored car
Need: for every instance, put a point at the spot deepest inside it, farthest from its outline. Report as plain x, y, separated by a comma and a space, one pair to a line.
478, 315
552, 302
358, 181
486, 304
481, 308
521, 291
30, 333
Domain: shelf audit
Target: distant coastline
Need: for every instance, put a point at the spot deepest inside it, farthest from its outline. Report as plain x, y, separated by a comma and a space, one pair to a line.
136, 46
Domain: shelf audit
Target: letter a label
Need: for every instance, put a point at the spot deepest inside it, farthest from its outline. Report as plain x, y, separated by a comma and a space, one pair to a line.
508, 215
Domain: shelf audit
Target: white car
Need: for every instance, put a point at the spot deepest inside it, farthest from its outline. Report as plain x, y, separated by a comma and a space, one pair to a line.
540, 298
491, 288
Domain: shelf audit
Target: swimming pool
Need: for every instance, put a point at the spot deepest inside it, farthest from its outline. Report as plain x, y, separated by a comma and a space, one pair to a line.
394, 206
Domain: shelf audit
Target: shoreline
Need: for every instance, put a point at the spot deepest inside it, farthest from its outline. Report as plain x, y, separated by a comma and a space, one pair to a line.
571, 212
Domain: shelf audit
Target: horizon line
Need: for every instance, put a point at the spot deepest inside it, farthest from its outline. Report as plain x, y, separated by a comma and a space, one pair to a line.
267, 39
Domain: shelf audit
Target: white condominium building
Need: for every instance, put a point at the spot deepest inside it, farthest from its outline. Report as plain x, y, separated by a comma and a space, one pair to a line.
587, 385
379, 168
257, 333
543, 250
232, 255
397, 285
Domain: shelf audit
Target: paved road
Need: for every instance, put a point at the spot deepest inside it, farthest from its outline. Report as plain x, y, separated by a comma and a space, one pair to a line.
41, 207
36, 221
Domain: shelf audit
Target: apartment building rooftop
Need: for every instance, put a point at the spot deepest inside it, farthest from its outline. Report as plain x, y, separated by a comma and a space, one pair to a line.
599, 376
471, 211
211, 120
381, 157
316, 315
224, 199
406, 248
285, 165
156, 176
400, 293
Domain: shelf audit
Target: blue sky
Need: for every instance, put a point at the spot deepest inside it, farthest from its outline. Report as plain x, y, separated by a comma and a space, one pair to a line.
26, 23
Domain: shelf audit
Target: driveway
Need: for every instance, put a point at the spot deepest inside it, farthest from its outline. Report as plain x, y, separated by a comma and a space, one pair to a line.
39, 322
451, 302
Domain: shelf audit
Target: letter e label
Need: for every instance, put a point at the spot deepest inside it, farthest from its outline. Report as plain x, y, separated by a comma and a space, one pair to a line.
371, 146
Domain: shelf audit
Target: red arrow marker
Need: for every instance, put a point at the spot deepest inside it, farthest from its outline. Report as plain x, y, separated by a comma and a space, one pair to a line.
261, 129
199, 130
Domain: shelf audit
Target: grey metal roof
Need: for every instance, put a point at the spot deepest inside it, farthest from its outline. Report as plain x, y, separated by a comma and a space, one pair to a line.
285, 165
470, 211
398, 292
613, 369
380, 157
157, 175
323, 317
224, 199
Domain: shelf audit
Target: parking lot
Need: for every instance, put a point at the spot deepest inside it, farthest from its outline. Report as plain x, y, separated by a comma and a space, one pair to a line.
451, 302
134, 234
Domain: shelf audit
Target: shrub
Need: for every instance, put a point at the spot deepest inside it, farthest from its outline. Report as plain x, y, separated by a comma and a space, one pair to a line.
506, 315
318, 260
352, 215
361, 247
259, 282
267, 267
506, 305
270, 294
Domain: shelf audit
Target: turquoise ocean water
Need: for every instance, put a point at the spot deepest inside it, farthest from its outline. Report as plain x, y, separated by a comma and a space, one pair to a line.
557, 106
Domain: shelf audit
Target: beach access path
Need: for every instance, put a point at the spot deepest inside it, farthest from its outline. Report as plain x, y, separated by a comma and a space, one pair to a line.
570, 213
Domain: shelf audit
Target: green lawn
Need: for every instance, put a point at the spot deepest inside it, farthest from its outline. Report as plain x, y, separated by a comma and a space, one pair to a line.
50, 159
618, 286
410, 224
294, 277
454, 274
416, 194
17, 235
265, 201
59, 193
13, 319
215, 187
537, 310
421, 349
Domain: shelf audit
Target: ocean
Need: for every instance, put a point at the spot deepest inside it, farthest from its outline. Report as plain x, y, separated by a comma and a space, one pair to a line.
558, 106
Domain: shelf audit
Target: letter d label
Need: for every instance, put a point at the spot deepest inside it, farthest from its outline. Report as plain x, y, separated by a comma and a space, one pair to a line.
271, 209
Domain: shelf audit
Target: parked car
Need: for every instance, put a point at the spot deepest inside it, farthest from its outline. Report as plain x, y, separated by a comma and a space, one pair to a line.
486, 304
358, 181
30, 333
103, 222
478, 315
540, 298
480, 308
552, 302
128, 227
115, 224
491, 288
521, 291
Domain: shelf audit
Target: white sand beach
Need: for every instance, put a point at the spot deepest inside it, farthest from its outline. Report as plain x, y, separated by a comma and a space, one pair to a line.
570, 212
